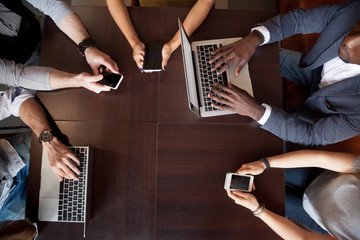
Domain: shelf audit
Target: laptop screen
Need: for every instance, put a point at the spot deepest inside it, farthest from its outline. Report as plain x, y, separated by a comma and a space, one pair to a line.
189, 68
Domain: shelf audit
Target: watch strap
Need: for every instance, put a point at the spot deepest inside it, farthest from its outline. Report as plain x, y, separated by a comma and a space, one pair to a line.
86, 43
266, 162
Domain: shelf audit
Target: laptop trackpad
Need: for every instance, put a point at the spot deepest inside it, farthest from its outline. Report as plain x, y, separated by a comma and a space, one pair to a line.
242, 81
49, 188
46, 209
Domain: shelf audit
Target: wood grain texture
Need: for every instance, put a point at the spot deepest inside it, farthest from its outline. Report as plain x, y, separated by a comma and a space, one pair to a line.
123, 181
136, 97
158, 169
192, 162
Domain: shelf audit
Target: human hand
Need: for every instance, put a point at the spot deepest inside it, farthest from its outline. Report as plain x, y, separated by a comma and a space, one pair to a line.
96, 58
166, 52
238, 53
60, 159
91, 83
246, 200
253, 168
138, 55
236, 100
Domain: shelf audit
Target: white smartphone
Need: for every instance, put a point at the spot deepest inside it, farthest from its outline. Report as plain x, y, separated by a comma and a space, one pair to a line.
111, 79
234, 181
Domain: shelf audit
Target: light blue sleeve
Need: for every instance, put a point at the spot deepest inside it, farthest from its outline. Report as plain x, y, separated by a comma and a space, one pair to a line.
55, 9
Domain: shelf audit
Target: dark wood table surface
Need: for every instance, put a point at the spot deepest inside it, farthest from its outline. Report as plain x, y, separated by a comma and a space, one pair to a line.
158, 170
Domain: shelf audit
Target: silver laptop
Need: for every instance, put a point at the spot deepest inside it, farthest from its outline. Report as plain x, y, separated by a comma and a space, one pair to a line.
69, 200
199, 77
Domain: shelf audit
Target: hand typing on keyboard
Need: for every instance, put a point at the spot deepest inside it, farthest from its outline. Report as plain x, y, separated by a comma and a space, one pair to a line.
238, 53
61, 160
236, 100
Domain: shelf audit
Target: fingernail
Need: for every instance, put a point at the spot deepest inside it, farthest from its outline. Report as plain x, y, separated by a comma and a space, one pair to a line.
141, 70
164, 68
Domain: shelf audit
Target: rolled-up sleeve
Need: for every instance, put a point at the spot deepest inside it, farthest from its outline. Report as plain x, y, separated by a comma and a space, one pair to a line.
31, 77
11, 100
55, 9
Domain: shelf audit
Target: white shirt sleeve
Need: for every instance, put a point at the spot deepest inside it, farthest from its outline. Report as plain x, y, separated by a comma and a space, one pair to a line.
264, 31
266, 115
11, 100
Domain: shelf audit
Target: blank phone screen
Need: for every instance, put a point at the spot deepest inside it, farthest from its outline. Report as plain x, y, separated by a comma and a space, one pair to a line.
110, 79
239, 182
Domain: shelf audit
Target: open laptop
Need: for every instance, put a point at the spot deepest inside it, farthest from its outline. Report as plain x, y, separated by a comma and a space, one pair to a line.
69, 200
199, 77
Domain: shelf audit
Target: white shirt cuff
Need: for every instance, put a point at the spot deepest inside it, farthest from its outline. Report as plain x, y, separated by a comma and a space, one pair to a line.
266, 115
18, 100
263, 30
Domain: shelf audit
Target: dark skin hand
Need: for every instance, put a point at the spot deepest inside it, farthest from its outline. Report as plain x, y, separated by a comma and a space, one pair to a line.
236, 100
238, 53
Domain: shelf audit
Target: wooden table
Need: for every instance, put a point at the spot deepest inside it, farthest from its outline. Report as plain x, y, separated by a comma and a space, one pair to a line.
158, 169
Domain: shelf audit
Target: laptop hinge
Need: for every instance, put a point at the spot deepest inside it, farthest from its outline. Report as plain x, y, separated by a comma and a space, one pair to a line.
196, 79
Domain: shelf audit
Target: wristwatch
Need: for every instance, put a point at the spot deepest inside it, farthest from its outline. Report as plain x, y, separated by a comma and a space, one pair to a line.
86, 43
46, 137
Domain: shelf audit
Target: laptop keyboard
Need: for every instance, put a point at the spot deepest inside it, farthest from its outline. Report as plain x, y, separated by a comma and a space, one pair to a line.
208, 77
73, 193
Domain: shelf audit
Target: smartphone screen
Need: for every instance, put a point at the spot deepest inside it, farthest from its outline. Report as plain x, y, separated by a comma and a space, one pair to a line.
110, 79
153, 57
240, 182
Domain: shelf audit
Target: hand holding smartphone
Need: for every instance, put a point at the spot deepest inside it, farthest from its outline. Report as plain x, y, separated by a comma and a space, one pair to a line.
110, 79
238, 182
153, 57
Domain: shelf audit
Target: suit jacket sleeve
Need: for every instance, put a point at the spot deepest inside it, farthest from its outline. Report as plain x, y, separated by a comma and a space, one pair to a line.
304, 21
327, 130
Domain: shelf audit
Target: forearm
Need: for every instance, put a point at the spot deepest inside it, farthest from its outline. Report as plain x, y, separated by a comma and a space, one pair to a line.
287, 229
32, 114
335, 161
59, 79
193, 20
121, 16
72, 26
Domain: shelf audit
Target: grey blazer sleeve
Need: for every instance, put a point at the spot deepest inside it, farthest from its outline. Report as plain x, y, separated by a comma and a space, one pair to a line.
312, 20
17, 75
327, 130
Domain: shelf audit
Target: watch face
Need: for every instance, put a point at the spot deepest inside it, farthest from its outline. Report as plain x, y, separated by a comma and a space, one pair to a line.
46, 136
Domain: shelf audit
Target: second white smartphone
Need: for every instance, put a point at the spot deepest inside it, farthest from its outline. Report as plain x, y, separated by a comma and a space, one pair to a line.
234, 181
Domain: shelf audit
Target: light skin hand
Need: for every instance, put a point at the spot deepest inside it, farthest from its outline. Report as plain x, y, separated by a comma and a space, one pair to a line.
95, 58
238, 53
166, 52
60, 159
253, 168
236, 100
90, 82
139, 54
246, 200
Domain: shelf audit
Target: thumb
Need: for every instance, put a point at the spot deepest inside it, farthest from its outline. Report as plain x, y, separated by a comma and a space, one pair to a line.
238, 68
95, 70
94, 78
164, 63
